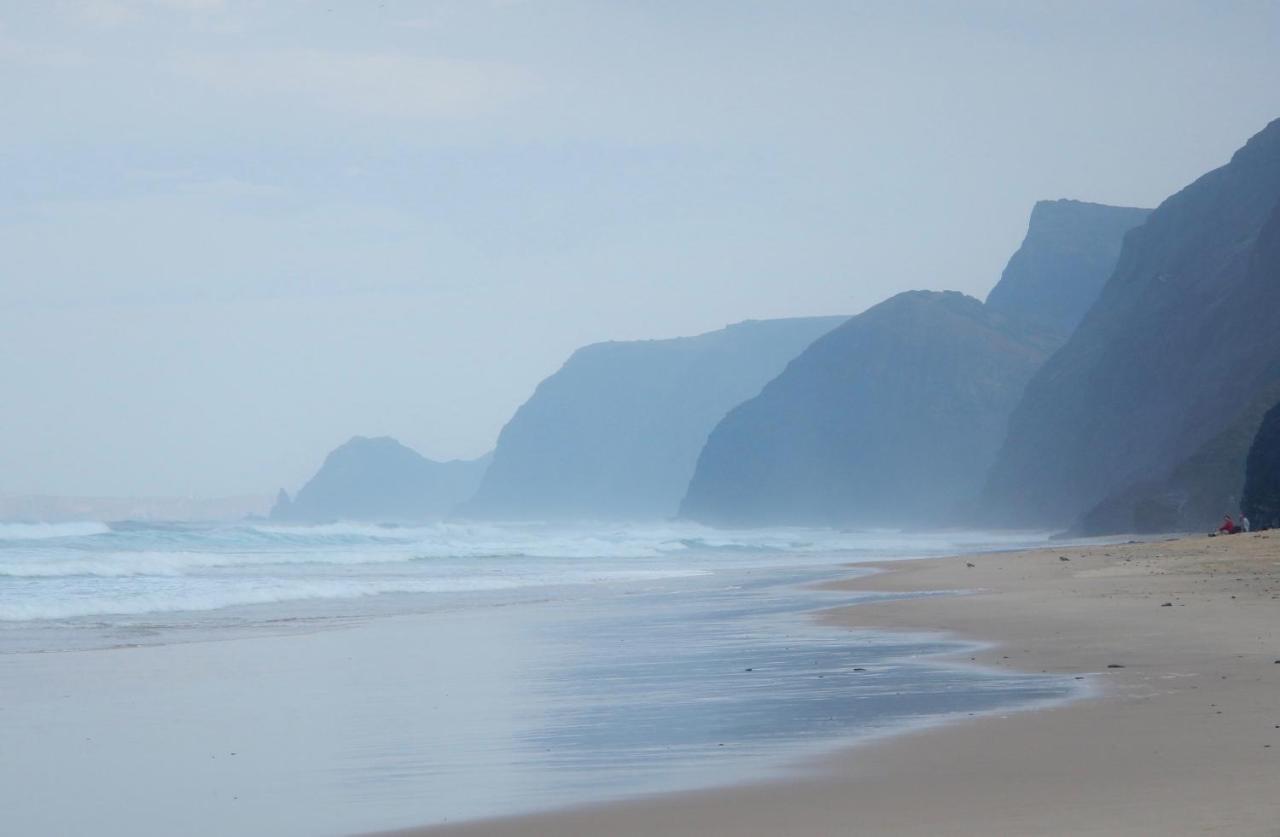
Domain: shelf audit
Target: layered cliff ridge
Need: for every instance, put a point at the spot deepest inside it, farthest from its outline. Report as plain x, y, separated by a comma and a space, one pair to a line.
615, 433
895, 417
1142, 421
381, 480
1261, 501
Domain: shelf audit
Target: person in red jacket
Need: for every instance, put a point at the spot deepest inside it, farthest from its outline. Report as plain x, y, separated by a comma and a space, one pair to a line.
1228, 526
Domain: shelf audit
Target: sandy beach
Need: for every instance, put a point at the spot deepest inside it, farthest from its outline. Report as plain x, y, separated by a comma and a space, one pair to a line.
1180, 640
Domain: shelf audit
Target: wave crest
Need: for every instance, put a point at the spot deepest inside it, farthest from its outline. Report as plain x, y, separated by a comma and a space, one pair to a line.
45, 531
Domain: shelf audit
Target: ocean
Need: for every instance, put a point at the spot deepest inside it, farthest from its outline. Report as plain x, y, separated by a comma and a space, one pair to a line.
264, 679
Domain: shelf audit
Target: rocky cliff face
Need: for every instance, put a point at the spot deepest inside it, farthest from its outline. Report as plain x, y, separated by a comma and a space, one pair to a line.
889, 419
1141, 421
381, 480
1262, 474
1070, 249
615, 433
895, 417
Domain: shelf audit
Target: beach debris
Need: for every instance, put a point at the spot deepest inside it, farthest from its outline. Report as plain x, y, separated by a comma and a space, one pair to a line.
1114, 665
863, 669
748, 669
1063, 558
1167, 604
970, 565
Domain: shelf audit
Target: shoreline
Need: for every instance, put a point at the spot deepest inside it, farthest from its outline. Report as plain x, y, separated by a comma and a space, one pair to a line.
1180, 640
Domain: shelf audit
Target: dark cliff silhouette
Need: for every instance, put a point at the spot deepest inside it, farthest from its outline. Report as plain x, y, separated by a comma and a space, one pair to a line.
1261, 502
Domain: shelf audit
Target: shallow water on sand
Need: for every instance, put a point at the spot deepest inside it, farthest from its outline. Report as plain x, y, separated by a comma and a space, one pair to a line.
688, 667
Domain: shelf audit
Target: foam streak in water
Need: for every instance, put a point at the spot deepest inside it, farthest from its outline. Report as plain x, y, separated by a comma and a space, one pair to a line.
67, 571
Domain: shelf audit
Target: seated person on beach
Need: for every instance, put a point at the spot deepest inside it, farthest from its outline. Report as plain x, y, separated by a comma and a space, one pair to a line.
1244, 523
1228, 526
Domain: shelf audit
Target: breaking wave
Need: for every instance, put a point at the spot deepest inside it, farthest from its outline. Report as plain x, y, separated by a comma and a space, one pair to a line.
45, 531
67, 570
204, 594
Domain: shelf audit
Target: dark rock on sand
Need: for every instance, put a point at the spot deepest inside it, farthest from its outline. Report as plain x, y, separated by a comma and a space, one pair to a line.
1261, 502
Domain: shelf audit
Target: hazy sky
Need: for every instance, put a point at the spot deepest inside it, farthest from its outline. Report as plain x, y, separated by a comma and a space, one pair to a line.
233, 234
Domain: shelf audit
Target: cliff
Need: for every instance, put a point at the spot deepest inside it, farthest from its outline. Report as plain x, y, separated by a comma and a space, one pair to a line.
383, 481
1142, 420
615, 433
889, 419
895, 417
1069, 251
1262, 474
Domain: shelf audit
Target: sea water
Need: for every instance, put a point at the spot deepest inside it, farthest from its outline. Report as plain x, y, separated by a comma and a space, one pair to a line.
256, 678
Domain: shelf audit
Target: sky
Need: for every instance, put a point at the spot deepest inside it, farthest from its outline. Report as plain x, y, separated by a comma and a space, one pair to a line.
234, 234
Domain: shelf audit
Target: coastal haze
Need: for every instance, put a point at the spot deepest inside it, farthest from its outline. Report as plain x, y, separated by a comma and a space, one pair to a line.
233, 236
594, 418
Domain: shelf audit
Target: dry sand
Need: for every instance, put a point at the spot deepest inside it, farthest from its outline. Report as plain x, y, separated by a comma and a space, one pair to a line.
1183, 736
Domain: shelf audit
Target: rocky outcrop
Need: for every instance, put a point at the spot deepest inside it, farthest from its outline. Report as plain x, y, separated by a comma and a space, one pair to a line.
894, 418
1262, 474
1141, 421
381, 480
615, 433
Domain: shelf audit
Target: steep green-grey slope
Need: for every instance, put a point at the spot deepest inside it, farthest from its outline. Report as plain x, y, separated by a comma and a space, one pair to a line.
1144, 414
615, 433
1262, 474
890, 419
1070, 249
383, 481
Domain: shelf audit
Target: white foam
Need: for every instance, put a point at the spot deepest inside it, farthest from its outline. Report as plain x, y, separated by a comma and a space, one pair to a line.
44, 531
54, 571
129, 564
206, 595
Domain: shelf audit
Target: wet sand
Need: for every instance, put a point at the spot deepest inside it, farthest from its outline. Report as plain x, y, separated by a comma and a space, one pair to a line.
1180, 639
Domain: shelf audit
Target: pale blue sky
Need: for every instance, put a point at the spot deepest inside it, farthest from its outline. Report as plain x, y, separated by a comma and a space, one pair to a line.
234, 234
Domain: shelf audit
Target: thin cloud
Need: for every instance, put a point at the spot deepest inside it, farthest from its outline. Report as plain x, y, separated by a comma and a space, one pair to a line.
424, 23
109, 14
105, 13
393, 84
38, 55
192, 5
